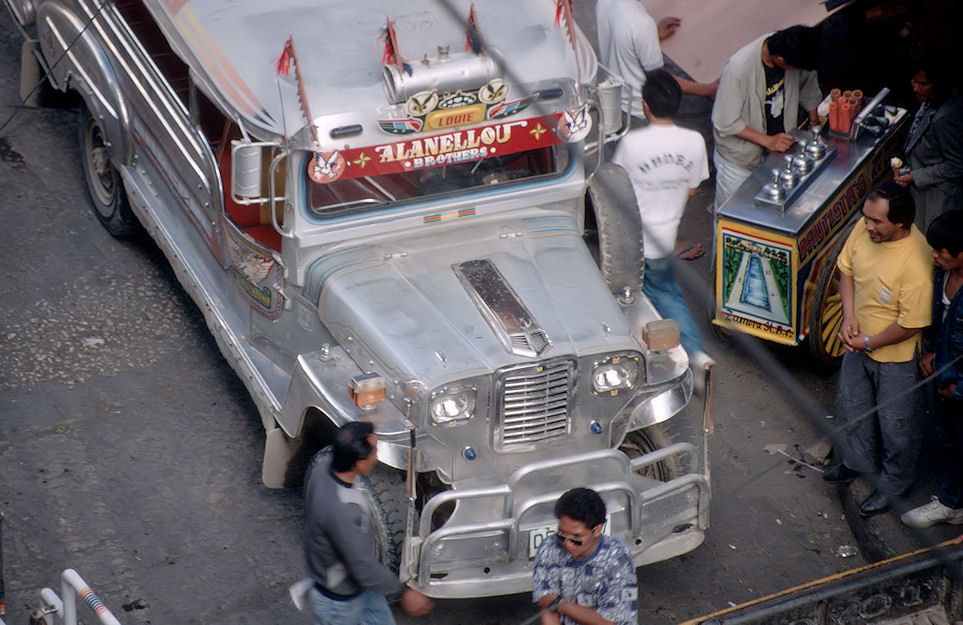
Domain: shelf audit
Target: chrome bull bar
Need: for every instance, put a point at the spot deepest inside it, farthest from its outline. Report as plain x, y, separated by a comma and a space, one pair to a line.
512, 566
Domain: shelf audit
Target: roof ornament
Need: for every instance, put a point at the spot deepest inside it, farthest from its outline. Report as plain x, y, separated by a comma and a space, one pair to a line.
473, 38
288, 59
391, 54
563, 13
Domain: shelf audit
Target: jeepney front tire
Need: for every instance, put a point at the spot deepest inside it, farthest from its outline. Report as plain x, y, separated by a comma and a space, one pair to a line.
385, 489
610, 201
640, 442
826, 313
104, 183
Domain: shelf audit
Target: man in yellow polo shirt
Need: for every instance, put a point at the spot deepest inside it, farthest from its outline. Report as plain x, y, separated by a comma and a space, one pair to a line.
886, 288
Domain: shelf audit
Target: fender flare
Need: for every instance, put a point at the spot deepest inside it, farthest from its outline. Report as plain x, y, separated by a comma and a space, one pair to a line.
86, 69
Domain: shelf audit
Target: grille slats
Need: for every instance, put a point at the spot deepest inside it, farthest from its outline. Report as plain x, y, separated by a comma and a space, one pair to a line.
535, 403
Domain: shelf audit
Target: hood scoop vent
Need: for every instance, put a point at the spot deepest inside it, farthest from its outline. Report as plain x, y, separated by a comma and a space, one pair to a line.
505, 313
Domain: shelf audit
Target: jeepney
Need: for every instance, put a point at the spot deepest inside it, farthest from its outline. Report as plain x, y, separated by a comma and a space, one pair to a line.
382, 210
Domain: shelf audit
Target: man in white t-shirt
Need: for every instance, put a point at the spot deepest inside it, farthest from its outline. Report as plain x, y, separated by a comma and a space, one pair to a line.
666, 164
629, 46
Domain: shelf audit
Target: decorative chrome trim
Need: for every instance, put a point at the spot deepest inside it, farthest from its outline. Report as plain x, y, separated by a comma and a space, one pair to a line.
508, 317
534, 403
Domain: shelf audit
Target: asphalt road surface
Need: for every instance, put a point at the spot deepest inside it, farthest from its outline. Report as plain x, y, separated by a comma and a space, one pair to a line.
130, 451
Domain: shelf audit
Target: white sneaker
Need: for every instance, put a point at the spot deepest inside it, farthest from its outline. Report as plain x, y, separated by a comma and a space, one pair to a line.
932, 513
698, 362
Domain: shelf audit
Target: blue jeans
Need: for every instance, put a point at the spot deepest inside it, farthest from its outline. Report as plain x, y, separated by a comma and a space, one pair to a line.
882, 422
660, 287
368, 608
951, 435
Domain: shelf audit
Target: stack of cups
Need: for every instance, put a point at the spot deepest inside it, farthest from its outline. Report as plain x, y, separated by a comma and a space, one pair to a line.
834, 96
843, 107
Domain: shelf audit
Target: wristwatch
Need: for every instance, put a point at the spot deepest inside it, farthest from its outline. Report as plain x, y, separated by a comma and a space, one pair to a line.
866, 347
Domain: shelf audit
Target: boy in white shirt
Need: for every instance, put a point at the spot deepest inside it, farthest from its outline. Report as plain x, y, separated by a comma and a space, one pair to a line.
666, 164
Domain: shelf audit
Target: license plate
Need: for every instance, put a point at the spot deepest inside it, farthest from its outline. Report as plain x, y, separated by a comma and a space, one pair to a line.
536, 536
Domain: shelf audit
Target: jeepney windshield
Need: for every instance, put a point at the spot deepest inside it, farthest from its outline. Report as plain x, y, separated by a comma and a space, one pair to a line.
332, 195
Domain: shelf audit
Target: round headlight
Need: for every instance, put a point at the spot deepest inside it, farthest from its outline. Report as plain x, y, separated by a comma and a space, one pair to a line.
452, 404
615, 374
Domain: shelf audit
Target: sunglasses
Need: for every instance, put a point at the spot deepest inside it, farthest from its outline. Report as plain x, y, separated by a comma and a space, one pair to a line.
562, 537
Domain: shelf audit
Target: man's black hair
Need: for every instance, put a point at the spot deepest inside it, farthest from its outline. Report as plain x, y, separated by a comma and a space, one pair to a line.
581, 504
902, 210
797, 45
351, 445
946, 232
662, 93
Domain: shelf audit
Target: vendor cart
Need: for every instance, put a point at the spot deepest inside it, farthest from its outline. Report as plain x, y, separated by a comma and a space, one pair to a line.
778, 236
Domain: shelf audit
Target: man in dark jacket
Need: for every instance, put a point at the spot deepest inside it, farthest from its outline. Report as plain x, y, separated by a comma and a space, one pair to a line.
943, 354
351, 586
934, 147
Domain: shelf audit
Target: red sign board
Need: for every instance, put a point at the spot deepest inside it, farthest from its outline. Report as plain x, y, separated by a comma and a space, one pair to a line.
457, 146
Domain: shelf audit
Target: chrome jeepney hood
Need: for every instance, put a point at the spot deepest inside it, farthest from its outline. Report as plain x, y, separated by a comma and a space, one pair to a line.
431, 316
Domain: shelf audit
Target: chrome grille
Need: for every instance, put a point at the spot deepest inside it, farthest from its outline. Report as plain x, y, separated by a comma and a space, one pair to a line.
534, 403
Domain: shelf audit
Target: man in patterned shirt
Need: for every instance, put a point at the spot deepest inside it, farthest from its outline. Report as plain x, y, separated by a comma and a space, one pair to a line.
583, 577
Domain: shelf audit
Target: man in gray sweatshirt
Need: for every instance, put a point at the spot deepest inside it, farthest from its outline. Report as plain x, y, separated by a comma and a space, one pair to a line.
351, 587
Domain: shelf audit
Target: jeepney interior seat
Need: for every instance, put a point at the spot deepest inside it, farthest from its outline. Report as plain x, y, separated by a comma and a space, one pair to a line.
253, 219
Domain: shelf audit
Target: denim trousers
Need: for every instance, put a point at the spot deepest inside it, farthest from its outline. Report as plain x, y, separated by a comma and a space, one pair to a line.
367, 608
662, 290
951, 437
882, 419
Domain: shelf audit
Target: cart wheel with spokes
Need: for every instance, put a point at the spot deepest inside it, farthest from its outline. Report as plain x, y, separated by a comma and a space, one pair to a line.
104, 183
826, 312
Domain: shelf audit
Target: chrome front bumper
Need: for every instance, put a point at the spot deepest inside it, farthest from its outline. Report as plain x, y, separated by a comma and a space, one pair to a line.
484, 547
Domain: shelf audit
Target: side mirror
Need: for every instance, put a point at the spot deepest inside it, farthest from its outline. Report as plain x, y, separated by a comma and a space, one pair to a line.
246, 172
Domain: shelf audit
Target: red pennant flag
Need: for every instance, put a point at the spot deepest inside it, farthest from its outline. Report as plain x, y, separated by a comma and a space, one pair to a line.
473, 40
391, 54
284, 63
563, 12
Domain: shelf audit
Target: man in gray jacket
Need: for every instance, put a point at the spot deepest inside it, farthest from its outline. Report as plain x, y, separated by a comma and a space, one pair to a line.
757, 104
351, 586
934, 147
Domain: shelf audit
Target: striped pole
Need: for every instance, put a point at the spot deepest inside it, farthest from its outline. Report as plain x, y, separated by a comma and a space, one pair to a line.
71, 586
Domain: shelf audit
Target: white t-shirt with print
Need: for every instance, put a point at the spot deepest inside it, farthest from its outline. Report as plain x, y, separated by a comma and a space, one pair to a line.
663, 162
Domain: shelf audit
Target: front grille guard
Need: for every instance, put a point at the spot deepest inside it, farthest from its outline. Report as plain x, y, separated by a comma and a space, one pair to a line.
423, 544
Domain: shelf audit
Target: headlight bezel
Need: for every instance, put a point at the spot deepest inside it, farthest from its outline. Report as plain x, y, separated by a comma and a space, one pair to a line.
616, 373
445, 398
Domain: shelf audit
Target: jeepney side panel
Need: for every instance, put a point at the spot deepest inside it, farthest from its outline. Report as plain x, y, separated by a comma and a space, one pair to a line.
77, 60
152, 140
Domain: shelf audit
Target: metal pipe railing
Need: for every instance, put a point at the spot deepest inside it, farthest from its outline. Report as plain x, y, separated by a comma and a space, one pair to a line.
71, 585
